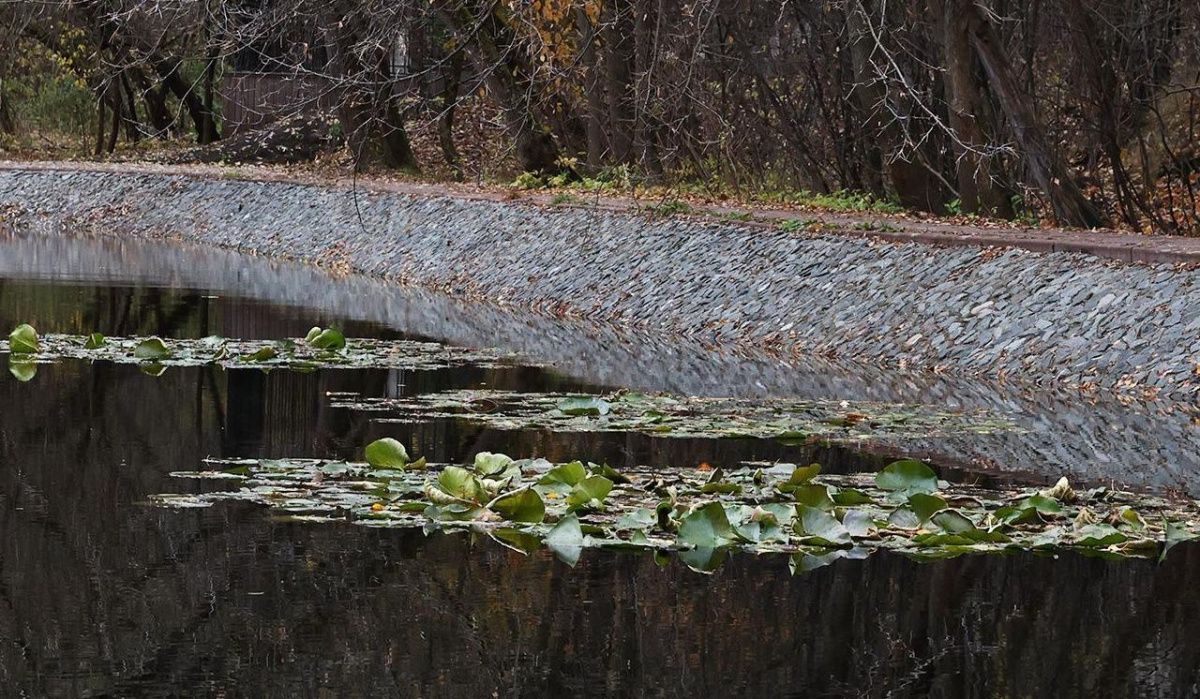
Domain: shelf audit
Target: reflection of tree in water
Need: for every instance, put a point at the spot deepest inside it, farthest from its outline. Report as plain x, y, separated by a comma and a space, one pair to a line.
101, 595
390, 612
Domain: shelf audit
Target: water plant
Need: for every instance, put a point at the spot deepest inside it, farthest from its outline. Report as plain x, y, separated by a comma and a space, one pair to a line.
321, 348
701, 515
787, 420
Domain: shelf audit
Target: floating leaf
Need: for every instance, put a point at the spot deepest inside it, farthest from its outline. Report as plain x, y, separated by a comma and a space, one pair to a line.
674, 416
23, 340
454, 512
589, 494
263, 354
656, 502
1043, 504
461, 484
641, 518
151, 349
813, 495
907, 476
564, 476
1098, 536
761, 525
801, 476
608, 472
328, 339
953, 522
584, 405
488, 464
925, 505
524, 506
822, 528
851, 496
859, 523
386, 453
792, 438
94, 341
805, 562
904, 518
706, 527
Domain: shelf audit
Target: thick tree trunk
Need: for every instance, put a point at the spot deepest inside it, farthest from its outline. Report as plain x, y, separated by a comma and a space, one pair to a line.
886, 158
203, 120
509, 78
978, 190
155, 99
1070, 206
371, 120
396, 150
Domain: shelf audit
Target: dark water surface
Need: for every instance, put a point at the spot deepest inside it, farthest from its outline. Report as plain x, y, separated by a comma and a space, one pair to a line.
102, 595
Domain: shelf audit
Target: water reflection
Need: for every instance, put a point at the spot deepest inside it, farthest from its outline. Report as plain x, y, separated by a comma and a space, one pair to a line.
102, 595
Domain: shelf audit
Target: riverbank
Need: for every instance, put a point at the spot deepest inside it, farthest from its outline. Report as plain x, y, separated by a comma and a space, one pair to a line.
1050, 318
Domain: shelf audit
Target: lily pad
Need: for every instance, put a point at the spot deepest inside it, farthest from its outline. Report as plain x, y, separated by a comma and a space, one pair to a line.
907, 476
524, 506
327, 339
584, 405
706, 527
151, 349
23, 340
668, 510
386, 453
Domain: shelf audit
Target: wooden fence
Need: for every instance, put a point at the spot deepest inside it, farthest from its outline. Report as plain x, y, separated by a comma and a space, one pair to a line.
250, 100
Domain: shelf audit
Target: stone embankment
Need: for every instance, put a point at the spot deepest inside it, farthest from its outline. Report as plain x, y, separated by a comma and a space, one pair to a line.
1067, 319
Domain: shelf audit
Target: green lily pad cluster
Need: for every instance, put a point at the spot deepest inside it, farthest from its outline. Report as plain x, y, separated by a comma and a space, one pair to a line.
320, 349
702, 515
789, 421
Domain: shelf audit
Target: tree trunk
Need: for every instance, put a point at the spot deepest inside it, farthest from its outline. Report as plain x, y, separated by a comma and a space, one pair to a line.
396, 150
1070, 206
617, 29
114, 103
495, 49
155, 99
210, 101
132, 132
887, 157
202, 119
593, 90
978, 190
646, 122
7, 123
451, 81
100, 115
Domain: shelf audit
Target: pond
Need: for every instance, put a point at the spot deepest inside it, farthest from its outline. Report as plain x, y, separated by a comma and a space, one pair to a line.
105, 592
